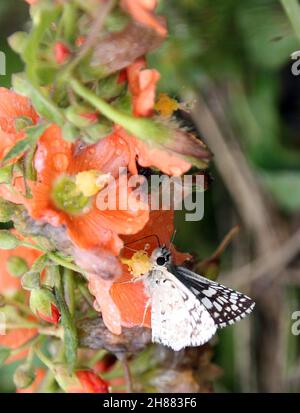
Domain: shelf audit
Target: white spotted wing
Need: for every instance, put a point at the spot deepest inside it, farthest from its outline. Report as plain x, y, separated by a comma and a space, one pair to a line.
226, 306
178, 318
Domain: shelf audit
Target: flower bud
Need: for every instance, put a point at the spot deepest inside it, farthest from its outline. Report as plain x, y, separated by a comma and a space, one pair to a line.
90, 383
82, 381
8, 241
24, 376
43, 305
17, 41
7, 209
16, 266
61, 53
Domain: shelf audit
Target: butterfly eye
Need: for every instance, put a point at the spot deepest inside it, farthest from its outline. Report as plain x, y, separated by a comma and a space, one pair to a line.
160, 261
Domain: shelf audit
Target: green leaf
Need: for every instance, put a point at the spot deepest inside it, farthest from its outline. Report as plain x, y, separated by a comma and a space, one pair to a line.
4, 354
70, 332
32, 135
42, 104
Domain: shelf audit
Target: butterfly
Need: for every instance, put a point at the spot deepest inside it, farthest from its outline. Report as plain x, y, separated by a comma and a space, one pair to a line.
186, 308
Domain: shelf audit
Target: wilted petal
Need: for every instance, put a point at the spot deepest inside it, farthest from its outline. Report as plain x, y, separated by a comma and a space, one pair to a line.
118, 50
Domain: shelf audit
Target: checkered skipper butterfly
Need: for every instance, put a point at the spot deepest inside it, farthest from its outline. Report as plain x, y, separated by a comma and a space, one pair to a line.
187, 309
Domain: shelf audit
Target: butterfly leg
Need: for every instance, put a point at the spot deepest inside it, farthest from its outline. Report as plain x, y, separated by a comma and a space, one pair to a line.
145, 311
133, 280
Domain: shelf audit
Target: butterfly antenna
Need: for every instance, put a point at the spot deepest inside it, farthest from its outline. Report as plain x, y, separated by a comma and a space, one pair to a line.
173, 238
130, 249
140, 239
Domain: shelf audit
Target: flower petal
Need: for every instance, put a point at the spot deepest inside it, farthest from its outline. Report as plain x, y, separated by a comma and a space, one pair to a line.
142, 11
100, 289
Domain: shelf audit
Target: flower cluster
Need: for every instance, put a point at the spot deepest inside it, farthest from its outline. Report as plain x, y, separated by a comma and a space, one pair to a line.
85, 107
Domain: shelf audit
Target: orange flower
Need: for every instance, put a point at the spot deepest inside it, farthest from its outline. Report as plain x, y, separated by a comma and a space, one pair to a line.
164, 160
124, 304
12, 107
142, 85
142, 11
57, 200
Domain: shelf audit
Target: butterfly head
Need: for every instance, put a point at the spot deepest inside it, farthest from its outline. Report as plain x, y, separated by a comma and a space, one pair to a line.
161, 257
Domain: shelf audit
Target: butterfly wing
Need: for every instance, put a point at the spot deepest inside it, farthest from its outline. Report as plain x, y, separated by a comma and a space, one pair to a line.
225, 305
178, 318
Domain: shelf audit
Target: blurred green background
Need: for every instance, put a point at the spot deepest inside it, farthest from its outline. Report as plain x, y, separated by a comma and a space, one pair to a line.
233, 57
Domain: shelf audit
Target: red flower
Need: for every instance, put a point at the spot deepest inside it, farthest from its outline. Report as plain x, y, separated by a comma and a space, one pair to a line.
142, 11
142, 85
89, 382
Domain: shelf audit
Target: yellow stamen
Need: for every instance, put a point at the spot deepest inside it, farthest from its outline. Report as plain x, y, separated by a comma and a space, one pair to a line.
166, 106
89, 183
139, 263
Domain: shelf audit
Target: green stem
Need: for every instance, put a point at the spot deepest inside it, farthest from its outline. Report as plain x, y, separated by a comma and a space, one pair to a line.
102, 12
86, 294
50, 331
69, 286
33, 246
26, 325
44, 359
98, 356
60, 261
20, 306
144, 129
292, 10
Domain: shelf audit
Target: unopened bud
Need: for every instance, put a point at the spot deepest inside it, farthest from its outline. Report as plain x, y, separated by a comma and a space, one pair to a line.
7, 209
16, 266
17, 41
24, 376
8, 241
43, 305
61, 52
